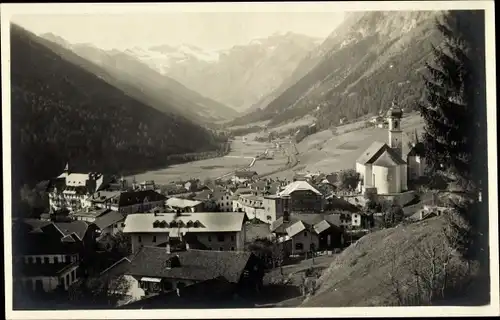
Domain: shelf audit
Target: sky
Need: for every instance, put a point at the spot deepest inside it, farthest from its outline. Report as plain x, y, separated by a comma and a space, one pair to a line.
207, 30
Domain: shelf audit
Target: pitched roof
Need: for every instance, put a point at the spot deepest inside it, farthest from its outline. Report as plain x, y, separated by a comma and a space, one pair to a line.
195, 265
104, 195
308, 220
416, 150
322, 226
42, 244
245, 174
298, 186
109, 219
93, 213
181, 203
120, 267
296, 228
375, 150
77, 227
134, 197
385, 160
208, 222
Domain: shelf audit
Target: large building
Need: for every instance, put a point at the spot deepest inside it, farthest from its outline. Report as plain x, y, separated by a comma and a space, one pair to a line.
382, 167
221, 231
71, 190
301, 196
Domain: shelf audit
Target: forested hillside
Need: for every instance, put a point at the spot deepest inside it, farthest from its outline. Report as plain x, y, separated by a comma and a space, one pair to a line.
61, 112
369, 60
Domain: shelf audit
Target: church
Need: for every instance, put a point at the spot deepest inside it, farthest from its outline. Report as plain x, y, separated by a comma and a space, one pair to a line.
381, 167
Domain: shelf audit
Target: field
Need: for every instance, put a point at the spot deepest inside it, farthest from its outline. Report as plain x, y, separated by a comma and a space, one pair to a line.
327, 152
241, 156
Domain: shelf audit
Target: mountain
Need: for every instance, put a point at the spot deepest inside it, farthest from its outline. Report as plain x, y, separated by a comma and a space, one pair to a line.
367, 61
63, 112
148, 85
237, 77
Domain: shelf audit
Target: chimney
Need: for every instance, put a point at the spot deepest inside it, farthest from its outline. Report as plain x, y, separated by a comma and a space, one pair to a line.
187, 245
167, 248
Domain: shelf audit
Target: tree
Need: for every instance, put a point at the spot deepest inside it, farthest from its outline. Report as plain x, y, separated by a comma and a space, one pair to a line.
454, 111
347, 179
118, 244
99, 292
393, 216
454, 102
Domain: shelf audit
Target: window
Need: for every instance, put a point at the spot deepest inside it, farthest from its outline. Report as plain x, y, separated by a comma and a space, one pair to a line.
31, 260
220, 238
56, 260
233, 238
140, 239
209, 238
46, 260
221, 249
299, 246
154, 238
39, 260
305, 233
232, 248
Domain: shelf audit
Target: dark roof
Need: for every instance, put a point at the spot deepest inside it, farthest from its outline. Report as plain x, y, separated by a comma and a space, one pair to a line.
245, 174
308, 219
77, 227
109, 219
93, 213
375, 150
42, 270
205, 294
196, 265
36, 223
118, 268
416, 150
133, 197
43, 243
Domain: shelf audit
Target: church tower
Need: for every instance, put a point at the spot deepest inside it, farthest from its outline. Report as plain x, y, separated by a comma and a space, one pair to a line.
394, 117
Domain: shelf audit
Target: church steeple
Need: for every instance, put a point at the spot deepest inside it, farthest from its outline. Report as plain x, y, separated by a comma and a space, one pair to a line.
394, 116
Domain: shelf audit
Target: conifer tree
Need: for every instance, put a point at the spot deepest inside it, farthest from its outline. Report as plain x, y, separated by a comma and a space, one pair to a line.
455, 137
454, 104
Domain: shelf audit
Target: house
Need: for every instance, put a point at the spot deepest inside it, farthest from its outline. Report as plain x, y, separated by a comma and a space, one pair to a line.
192, 185
301, 196
429, 212
159, 270
117, 272
416, 161
89, 214
129, 202
301, 233
215, 200
111, 222
208, 294
184, 205
145, 185
251, 205
381, 166
213, 230
273, 207
47, 259
101, 199
244, 176
70, 190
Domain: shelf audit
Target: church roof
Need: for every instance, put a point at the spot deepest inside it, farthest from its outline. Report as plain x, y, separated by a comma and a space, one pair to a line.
375, 150
385, 160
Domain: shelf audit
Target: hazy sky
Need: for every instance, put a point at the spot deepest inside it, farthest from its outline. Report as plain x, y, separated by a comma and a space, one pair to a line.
208, 30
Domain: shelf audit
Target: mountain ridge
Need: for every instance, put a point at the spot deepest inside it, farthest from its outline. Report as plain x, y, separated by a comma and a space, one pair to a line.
340, 78
148, 85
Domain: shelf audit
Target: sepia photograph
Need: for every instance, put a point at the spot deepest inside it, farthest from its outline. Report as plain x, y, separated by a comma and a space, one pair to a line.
270, 159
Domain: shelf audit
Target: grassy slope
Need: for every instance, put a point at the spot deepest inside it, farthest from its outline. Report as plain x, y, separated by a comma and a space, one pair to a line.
359, 276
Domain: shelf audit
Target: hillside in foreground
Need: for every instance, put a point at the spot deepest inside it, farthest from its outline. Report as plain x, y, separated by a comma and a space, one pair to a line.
361, 275
61, 113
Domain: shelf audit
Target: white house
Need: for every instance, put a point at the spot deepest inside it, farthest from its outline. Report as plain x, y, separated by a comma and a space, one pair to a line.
381, 166
184, 205
111, 222
221, 231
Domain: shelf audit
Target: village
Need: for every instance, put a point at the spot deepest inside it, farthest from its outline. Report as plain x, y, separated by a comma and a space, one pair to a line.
214, 241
